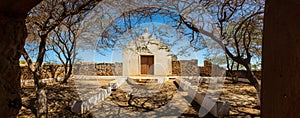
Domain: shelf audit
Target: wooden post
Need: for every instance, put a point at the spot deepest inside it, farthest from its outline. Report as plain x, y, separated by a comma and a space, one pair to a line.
281, 60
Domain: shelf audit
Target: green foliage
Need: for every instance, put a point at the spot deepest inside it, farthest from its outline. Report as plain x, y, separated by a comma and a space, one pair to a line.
22, 62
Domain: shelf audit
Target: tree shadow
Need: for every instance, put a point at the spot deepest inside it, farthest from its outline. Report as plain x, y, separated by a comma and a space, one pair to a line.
59, 100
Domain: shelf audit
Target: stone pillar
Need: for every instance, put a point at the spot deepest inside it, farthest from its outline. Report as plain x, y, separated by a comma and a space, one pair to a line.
281, 60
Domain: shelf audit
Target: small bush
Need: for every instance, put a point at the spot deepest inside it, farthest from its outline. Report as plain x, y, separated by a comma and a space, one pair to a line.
22, 62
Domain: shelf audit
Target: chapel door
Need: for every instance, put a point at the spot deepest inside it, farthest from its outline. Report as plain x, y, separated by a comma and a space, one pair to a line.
147, 65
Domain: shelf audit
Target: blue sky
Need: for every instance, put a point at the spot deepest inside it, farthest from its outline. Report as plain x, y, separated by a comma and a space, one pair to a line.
158, 26
115, 54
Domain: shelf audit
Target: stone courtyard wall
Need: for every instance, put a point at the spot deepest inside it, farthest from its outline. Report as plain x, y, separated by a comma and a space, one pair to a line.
243, 74
100, 69
176, 68
109, 69
84, 68
206, 71
211, 70
179, 68
185, 67
47, 71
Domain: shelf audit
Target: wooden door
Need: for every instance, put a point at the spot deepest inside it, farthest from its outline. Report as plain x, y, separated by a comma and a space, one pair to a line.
147, 65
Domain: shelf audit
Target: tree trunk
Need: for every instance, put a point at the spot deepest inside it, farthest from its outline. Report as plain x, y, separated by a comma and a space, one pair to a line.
52, 69
253, 80
250, 75
281, 60
68, 74
41, 96
13, 33
42, 106
236, 75
40, 91
230, 73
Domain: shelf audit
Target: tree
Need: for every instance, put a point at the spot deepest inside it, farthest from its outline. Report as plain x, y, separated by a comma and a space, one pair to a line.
43, 19
245, 39
241, 42
239, 25
13, 33
63, 42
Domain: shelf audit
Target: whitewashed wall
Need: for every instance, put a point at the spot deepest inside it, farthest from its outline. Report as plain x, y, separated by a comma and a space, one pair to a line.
146, 44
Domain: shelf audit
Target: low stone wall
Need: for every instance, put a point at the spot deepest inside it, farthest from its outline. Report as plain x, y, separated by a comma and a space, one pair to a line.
243, 74
191, 68
185, 67
47, 80
179, 68
109, 69
117, 83
47, 71
184, 85
176, 70
82, 106
211, 70
100, 69
84, 68
216, 108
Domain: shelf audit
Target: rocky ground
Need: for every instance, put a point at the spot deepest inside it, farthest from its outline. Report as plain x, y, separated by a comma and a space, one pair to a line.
144, 98
241, 96
59, 101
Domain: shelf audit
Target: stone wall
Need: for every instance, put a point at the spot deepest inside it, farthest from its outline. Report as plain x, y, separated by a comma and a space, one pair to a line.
84, 68
83, 106
179, 68
190, 67
206, 71
101, 69
57, 70
109, 69
47, 71
185, 67
216, 108
211, 70
176, 68
243, 74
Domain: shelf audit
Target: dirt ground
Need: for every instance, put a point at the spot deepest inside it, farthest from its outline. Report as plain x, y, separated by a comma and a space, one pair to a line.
241, 96
59, 101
